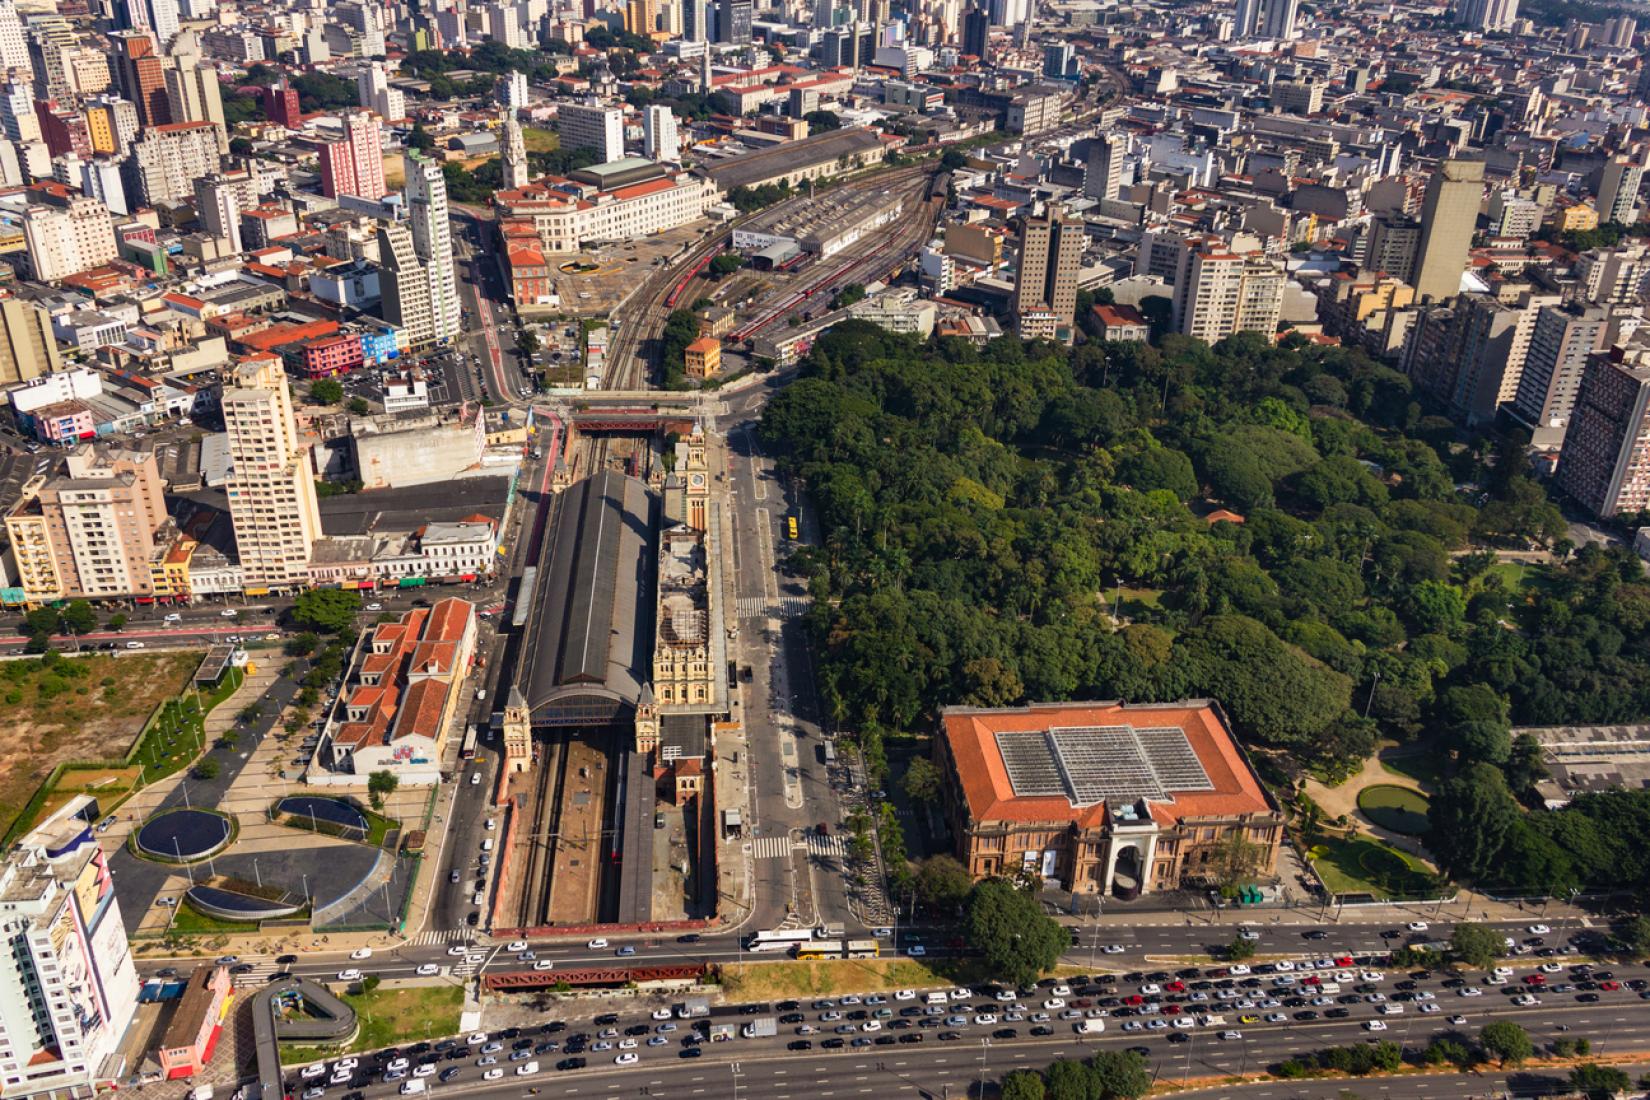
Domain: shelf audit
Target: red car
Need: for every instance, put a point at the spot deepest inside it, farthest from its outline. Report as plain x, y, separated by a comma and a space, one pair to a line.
1170, 1009
1609, 987
1176, 987
1343, 960
1311, 979
1535, 979
1134, 999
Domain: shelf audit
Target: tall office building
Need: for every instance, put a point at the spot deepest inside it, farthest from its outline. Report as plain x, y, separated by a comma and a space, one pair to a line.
271, 489
142, 76
512, 90
1265, 19
1619, 31
1045, 283
218, 206
733, 22
592, 126
1393, 242
432, 233
404, 288
659, 137
27, 348
192, 90
696, 20
63, 240
976, 34
112, 124
514, 158
1618, 188
1486, 15
641, 17
1605, 462
68, 986
17, 116
355, 165
14, 47
51, 39
159, 16
1103, 172
101, 521
1448, 215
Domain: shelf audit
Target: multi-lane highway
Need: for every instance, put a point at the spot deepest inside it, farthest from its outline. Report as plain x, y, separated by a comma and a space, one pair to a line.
1191, 1024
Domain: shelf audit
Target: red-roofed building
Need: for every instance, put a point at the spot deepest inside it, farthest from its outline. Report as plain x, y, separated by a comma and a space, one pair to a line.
402, 692
197, 1022
1110, 798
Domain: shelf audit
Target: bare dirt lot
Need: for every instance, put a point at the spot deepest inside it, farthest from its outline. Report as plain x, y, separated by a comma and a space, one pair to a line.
76, 708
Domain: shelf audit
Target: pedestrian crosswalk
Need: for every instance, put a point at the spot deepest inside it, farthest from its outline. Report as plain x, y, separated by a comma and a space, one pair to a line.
827, 847
771, 847
760, 607
434, 937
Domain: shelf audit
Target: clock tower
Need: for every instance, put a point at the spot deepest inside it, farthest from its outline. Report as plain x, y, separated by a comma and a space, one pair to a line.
697, 479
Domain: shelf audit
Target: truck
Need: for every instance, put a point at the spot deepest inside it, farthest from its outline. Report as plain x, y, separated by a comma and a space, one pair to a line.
693, 1010
1088, 1027
716, 1033
763, 1027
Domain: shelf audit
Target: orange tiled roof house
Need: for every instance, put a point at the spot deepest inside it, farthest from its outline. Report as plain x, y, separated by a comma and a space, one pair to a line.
1110, 798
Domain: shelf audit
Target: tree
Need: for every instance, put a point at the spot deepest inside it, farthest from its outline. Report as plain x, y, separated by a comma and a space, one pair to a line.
1634, 936
942, 882
820, 121
726, 264
1240, 949
1475, 945
301, 645
359, 406
922, 780
1009, 929
207, 768
1508, 1043
1023, 1084
326, 391
1471, 817
370, 983
380, 785
43, 622
1067, 1080
328, 610
1120, 1075
117, 621
1599, 1082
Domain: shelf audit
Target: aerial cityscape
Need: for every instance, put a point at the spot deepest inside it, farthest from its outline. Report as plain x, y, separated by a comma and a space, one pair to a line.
924, 548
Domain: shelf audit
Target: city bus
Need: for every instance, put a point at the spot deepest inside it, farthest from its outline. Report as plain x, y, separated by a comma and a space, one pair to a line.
864, 949
778, 940
467, 751
820, 949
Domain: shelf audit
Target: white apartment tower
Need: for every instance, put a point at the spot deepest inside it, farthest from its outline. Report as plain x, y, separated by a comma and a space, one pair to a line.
218, 205
1219, 292
432, 234
592, 126
64, 240
14, 47
1618, 189
659, 135
17, 117
171, 157
404, 288
372, 87
1103, 175
192, 90
271, 490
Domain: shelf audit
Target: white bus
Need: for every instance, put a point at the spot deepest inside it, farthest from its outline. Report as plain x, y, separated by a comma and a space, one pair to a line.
779, 940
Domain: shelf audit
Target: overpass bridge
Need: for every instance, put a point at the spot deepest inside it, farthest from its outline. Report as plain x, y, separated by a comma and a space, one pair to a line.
639, 412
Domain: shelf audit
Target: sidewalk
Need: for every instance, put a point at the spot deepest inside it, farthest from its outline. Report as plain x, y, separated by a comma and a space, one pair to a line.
1465, 906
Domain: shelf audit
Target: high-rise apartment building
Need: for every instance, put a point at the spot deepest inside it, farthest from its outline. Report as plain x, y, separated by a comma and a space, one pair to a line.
271, 490
1219, 292
512, 90
169, 158
733, 22
1619, 31
63, 240
592, 126
112, 124
218, 206
404, 288
1486, 15
1449, 214
432, 234
355, 165
1266, 19
1605, 461
1045, 283
100, 523
372, 86
641, 17
1613, 276
192, 90
27, 348
1393, 242
1563, 338
68, 986
1618, 189
18, 120
14, 47
659, 136
1103, 172
142, 76
976, 32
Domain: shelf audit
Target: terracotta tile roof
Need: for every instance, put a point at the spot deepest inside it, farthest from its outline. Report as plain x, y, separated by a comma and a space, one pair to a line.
420, 713
971, 736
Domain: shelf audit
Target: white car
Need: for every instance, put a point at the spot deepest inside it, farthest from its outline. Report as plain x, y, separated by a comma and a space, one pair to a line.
876, 1025
458, 950
629, 1058
627, 1044
1429, 1008
596, 944
424, 1069
361, 953
346, 1063
543, 964
1374, 1025
475, 779
228, 613
1550, 968
1231, 1036
1373, 976
375, 607
1458, 1021
476, 1039
527, 1069
398, 1064
491, 825
1054, 1003
493, 1074
1469, 991
1417, 926
1238, 970
916, 951
1150, 989
905, 995
1249, 934
309, 1073
958, 994
428, 969
1538, 930
349, 975
661, 1014
1284, 965
1112, 949
1526, 1000
516, 946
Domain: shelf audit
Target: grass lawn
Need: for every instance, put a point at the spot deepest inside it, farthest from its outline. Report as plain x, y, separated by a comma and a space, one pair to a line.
1132, 602
390, 1017
1400, 809
1364, 866
1520, 576
1421, 768
57, 709
786, 980
188, 922
540, 141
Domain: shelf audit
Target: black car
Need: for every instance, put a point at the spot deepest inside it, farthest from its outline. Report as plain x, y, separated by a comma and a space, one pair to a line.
1338, 1013
571, 1063
473, 919
1042, 1030
788, 1006
606, 1019
1144, 1052
1179, 1037
552, 1027
691, 937
752, 1010
788, 1018
1586, 998
1307, 1014
637, 1029
886, 1040
172, 971
241, 968
1005, 1033
833, 1044
1317, 934
507, 1033
547, 1048
914, 1037
284, 960
950, 1036
801, 1044
449, 1073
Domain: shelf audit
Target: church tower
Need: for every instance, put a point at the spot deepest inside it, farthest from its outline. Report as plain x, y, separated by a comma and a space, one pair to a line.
647, 721
697, 476
515, 152
518, 733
